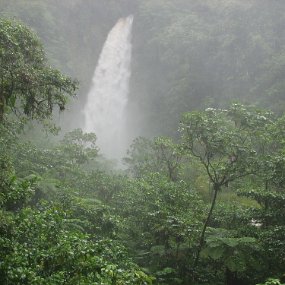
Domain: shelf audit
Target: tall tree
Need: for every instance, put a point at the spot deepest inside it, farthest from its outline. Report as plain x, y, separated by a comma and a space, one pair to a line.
28, 85
228, 143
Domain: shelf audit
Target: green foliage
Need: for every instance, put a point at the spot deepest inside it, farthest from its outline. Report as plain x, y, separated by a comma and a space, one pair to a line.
65, 160
29, 86
202, 49
237, 254
160, 155
191, 54
162, 221
157, 218
186, 55
227, 142
41, 251
67, 241
79, 147
271, 281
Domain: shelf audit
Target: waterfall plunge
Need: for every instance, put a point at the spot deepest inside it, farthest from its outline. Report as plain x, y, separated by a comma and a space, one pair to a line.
108, 96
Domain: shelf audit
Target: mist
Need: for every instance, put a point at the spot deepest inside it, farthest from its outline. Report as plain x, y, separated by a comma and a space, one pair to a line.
187, 55
142, 142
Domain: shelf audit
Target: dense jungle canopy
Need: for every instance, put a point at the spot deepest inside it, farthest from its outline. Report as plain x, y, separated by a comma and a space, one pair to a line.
200, 198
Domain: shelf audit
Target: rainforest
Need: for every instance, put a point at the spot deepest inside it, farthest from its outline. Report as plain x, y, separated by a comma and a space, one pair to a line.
142, 142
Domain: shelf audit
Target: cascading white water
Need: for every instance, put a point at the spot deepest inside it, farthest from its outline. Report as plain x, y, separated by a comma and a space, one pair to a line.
108, 96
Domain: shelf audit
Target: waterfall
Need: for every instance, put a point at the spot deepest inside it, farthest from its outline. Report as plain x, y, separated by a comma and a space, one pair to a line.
108, 95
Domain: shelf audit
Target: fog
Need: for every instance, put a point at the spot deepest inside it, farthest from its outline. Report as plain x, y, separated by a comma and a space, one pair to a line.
142, 142
186, 55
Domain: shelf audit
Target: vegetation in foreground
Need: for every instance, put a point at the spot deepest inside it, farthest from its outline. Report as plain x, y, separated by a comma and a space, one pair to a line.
205, 209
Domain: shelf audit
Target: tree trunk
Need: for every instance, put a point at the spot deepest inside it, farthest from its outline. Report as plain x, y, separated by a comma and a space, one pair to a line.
2, 107
202, 237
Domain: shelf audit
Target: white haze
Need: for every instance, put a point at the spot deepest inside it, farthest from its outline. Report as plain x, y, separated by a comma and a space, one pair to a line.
108, 96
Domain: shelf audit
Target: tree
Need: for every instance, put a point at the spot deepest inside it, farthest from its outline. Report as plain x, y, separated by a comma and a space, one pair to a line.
39, 248
159, 155
228, 143
60, 237
28, 86
161, 225
272, 281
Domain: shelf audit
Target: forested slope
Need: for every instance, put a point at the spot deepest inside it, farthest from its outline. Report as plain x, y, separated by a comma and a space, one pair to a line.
186, 54
203, 204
